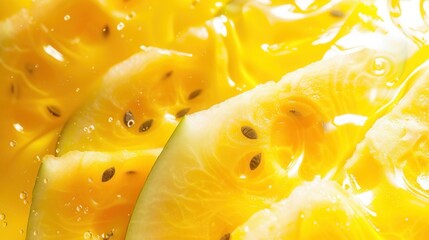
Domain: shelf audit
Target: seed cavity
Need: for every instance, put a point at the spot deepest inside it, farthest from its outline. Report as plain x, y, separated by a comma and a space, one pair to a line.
249, 132
108, 174
131, 172
146, 125
129, 119
337, 13
182, 112
105, 31
226, 236
255, 161
54, 111
194, 94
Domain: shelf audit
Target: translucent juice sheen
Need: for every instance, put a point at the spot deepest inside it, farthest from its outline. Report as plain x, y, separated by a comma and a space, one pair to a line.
54, 56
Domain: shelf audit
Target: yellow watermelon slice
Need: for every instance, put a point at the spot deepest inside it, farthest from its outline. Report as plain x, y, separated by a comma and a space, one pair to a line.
223, 164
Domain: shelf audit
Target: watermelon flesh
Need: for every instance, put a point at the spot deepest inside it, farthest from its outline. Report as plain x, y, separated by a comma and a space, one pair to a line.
260, 145
87, 195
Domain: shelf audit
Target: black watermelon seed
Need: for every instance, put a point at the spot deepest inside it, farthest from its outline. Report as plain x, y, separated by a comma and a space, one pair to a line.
194, 94
249, 132
129, 119
226, 237
194, 3
182, 112
146, 125
105, 31
295, 112
168, 74
54, 111
337, 13
13, 89
108, 174
29, 68
255, 161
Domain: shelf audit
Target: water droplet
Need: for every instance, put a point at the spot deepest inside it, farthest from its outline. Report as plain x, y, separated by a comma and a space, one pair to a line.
90, 180
120, 26
21, 231
23, 195
87, 235
45, 180
89, 129
107, 235
38, 159
78, 208
302, 215
57, 150
18, 127
2, 216
67, 17
110, 119
25, 202
4, 224
77, 90
12, 143
378, 66
35, 232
